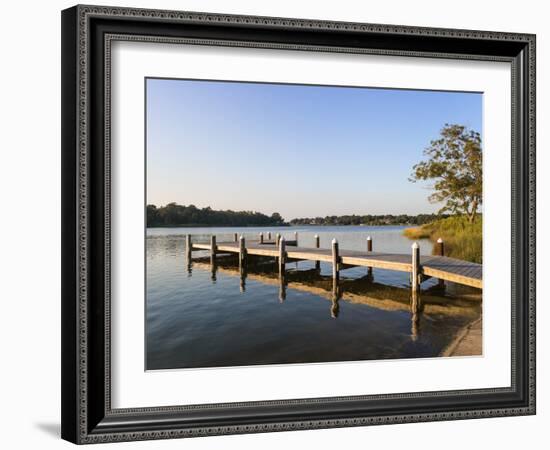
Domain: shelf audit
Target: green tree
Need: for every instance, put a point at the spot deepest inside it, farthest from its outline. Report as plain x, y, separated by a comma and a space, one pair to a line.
152, 215
276, 218
454, 162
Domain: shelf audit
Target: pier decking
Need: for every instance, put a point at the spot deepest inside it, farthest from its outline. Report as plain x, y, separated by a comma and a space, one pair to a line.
424, 267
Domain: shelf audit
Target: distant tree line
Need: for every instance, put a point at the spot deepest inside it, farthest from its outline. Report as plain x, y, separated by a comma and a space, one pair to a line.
369, 219
179, 215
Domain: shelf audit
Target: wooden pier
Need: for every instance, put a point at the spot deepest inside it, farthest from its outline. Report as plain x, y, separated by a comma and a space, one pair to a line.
420, 267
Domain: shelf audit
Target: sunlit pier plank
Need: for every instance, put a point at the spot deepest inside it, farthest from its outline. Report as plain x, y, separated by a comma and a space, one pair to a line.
442, 267
288, 242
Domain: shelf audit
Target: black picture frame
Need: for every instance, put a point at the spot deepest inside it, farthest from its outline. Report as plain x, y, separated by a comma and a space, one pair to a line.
87, 416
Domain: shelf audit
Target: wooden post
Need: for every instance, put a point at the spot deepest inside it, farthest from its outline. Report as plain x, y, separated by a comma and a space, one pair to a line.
369, 249
261, 238
414, 327
269, 235
296, 238
242, 253
242, 263
282, 256
440, 246
189, 248
440, 250
415, 272
415, 302
235, 237
189, 251
317, 244
213, 249
335, 260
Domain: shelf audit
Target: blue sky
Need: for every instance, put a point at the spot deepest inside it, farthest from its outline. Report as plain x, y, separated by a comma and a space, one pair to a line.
299, 150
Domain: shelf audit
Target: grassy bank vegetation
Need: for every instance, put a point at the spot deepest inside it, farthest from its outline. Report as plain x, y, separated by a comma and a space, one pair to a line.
463, 240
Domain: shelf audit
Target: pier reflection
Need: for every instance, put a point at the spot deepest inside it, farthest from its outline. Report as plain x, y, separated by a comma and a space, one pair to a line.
363, 290
213, 270
189, 265
335, 298
282, 288
242, 277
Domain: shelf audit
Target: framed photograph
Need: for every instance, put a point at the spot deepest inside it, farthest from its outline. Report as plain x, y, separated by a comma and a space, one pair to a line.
277, 224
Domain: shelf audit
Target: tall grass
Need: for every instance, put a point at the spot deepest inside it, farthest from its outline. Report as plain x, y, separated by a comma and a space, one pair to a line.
463, 240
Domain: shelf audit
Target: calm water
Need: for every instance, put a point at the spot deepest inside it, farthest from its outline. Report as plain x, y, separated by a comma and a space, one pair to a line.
200, 317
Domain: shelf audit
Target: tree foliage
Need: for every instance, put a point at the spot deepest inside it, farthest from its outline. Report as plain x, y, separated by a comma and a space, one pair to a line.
176, 215
454, 162
368, 219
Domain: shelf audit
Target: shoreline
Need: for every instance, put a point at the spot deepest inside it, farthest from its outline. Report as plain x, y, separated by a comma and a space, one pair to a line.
219, 226
467, 342
287, 225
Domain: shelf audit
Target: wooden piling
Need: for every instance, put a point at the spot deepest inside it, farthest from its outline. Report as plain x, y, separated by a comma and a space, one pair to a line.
440, 250
242, 263
414, 326
236, 237
242, 253
440, 247
282, 256
415, 269
335, 260
465, 273
415, 314
261, 238
296, 238
213, 249
369, 249
269, 235
335, 298
415, 302
317, 244
277, 238
189, 248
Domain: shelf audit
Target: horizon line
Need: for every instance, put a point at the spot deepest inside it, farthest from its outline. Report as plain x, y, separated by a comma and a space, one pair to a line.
301, 217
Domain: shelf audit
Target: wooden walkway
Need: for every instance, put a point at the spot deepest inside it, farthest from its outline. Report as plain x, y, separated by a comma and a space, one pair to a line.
425, 267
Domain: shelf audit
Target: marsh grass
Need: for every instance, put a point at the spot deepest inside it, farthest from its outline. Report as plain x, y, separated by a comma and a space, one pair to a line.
463, 240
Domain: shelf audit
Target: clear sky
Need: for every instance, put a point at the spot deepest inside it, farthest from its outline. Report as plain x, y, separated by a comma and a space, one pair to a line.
299, 150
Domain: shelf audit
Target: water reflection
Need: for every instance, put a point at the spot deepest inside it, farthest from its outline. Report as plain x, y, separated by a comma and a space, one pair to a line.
242, 278
189, 268
336, 296
213, 269
282, 287
311, 280
214, 312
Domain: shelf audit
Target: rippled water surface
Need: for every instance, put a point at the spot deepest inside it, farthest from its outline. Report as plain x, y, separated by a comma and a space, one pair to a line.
203, 316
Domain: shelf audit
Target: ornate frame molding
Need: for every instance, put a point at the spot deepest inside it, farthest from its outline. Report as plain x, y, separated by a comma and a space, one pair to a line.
80, 218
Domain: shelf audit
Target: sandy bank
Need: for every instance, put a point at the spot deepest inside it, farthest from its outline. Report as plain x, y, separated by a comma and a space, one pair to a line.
468, 341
